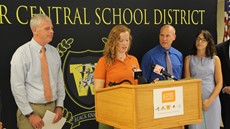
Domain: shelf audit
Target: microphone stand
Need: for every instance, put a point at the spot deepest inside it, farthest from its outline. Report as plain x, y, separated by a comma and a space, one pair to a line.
141, 80
165, 77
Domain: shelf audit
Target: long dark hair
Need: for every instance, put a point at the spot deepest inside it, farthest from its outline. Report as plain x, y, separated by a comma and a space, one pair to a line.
210, 49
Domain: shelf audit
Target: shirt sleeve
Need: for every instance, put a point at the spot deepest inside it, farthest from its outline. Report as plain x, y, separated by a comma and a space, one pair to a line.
100, 70
60, 87
17, 80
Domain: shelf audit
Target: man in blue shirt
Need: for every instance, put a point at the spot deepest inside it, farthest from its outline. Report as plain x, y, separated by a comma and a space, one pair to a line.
157, 55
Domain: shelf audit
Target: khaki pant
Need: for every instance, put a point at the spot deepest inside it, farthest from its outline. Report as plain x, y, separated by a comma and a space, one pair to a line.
39, 109
104, 126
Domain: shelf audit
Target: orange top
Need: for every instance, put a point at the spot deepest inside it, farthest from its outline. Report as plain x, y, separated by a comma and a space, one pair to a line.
118, 71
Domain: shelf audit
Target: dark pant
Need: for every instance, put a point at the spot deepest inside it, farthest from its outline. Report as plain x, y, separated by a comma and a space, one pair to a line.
39, 109
225, 110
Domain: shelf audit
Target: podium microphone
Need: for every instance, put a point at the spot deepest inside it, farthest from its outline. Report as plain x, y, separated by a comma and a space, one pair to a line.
139, 77
161, 71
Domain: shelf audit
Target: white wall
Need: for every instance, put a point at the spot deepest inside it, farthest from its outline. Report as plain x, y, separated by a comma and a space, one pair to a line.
220, 20
220, 24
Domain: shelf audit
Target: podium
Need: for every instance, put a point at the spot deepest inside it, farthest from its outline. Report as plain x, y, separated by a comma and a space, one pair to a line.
132, 106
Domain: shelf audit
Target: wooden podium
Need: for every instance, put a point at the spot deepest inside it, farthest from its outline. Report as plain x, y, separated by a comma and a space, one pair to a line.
132, 106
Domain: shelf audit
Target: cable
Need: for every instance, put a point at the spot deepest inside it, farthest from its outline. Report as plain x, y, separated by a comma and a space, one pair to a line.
118, 83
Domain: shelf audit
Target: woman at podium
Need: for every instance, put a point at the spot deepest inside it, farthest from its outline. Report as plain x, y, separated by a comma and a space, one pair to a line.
203, 63
116, 65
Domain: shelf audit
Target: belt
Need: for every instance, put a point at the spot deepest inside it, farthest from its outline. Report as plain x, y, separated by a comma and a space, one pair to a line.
42, 103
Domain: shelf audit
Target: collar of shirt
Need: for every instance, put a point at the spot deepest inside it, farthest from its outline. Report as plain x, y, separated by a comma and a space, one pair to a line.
163, 50
37, 46
127, 57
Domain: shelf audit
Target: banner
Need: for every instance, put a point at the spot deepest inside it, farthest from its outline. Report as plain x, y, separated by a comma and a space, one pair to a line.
81, 30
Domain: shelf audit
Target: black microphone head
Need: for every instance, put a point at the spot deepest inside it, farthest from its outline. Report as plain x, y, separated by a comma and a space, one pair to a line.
137, 74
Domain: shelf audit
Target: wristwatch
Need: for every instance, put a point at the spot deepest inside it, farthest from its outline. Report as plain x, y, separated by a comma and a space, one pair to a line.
28, 115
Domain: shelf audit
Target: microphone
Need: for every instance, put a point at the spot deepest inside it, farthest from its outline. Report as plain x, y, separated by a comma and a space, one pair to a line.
161, 71
139, 77
118, 83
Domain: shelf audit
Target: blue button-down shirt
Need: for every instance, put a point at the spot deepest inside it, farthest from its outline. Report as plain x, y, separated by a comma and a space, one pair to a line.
157, 55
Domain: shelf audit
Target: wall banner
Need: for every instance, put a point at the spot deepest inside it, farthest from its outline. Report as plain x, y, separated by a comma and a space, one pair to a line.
81, 30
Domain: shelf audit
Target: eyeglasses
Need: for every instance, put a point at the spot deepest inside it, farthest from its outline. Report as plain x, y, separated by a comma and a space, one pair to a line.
198, 39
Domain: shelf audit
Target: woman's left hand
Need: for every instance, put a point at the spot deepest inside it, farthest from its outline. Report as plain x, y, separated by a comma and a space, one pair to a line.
206, 104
